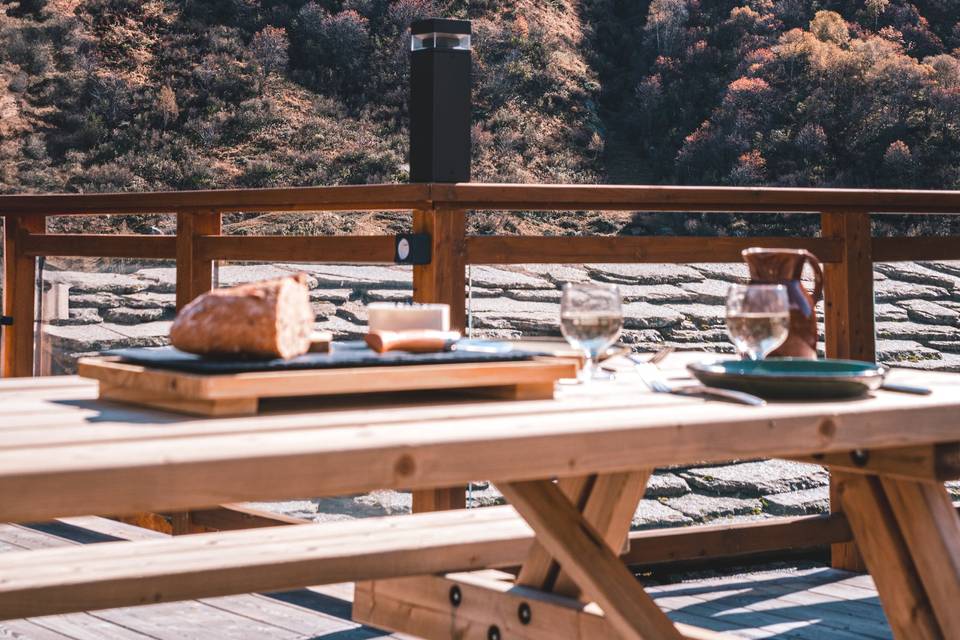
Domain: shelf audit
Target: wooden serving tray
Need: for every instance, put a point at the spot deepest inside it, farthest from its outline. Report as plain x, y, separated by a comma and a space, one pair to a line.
239, 394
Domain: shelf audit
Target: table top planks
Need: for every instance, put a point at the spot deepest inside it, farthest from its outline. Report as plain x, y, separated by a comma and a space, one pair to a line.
63, 453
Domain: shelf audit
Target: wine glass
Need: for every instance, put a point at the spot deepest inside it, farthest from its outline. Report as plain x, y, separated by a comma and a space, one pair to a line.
758, 318
591, 319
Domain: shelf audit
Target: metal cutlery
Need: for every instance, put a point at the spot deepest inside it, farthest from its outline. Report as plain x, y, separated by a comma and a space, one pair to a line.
906, 388
651, 376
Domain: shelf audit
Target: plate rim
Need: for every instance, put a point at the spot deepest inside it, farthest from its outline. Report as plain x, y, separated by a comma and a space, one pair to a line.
878, 372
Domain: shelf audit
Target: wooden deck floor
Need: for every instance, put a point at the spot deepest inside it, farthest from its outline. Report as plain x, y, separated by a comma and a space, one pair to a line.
815, 604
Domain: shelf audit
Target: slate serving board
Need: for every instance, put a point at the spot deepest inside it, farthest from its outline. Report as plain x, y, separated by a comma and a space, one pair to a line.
343, 355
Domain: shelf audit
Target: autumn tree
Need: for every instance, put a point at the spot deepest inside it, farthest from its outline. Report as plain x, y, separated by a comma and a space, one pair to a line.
269, 48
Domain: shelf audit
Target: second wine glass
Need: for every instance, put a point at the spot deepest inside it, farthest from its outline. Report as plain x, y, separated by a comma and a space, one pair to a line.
758, 318
591, 319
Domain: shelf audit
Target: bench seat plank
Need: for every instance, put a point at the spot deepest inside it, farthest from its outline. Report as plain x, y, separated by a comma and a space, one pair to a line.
117, 574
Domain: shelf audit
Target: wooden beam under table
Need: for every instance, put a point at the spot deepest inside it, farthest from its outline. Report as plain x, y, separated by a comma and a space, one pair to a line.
932, 463
584, 554
888, 557
931, 529
484, 604
442, 281
609, 508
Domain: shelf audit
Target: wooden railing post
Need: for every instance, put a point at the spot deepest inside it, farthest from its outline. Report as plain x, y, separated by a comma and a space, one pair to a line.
443, 281
19, 295
848, 321
194, 275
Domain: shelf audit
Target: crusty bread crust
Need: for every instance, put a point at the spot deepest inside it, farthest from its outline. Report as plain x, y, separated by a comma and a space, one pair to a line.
269, 319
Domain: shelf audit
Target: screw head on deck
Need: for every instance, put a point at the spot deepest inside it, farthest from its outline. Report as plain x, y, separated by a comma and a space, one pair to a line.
493, 633
524, 613
456, 597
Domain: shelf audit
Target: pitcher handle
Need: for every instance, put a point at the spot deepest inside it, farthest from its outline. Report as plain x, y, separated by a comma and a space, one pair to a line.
811, 259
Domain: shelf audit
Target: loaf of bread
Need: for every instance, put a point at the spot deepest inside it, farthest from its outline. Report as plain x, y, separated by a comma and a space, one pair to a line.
269, 319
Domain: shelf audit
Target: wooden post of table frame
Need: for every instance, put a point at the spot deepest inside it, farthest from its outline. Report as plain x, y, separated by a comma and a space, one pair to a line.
848, 319
442, 281
194, 276
19, 296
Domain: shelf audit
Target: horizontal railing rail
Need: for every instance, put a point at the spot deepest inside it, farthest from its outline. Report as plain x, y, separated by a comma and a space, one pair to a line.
845, 246
490, 196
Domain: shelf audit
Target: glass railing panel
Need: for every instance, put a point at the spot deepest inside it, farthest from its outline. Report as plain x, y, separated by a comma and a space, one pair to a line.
90, 305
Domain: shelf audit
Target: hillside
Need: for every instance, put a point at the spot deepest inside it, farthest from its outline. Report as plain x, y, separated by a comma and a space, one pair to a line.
109, 95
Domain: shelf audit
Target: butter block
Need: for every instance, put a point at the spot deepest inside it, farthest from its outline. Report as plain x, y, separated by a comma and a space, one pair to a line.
391, 316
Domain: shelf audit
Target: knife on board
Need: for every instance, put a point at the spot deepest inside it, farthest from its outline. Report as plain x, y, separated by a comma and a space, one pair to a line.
430, 341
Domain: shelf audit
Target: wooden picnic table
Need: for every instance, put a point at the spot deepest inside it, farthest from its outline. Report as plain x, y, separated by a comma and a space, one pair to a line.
63, 453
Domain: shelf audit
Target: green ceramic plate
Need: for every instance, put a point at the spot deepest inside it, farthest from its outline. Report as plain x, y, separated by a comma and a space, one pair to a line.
792, 378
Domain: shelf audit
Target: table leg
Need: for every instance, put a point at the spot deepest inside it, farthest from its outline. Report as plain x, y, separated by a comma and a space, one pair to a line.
439, 499
931, 529
609, 508
540, 570
584, 554
885, 551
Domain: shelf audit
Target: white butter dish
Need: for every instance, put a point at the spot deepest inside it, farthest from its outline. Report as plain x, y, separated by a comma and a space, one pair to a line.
391, 316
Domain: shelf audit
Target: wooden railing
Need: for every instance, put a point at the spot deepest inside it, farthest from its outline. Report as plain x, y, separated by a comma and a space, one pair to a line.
845, 245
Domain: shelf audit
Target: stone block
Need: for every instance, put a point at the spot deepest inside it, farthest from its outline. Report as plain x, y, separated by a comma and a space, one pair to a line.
126, 315
336, 296
334, 276
643, 315
388, 295
701, 315
916, 331
83, 282
708, 291
756, 479
666, 485
894, 291
728, 272
901, 350
885, 312
798, 503
929, 312
150, 300
655, 293
79, 316
101, 300
643, 273
703, 508
949, 362
497, 278
558, 274
341, 328
918, 274
652, 514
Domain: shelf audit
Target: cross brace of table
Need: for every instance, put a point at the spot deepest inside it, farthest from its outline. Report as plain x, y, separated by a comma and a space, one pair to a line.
574, 586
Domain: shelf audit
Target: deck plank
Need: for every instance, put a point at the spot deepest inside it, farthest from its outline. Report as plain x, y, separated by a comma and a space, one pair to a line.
298, 614
804, 604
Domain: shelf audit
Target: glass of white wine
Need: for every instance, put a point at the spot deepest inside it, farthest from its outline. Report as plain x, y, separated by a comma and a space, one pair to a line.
591, 319
758, 318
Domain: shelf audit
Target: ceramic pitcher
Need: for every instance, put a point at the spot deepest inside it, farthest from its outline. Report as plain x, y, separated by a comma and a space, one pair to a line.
784, 266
